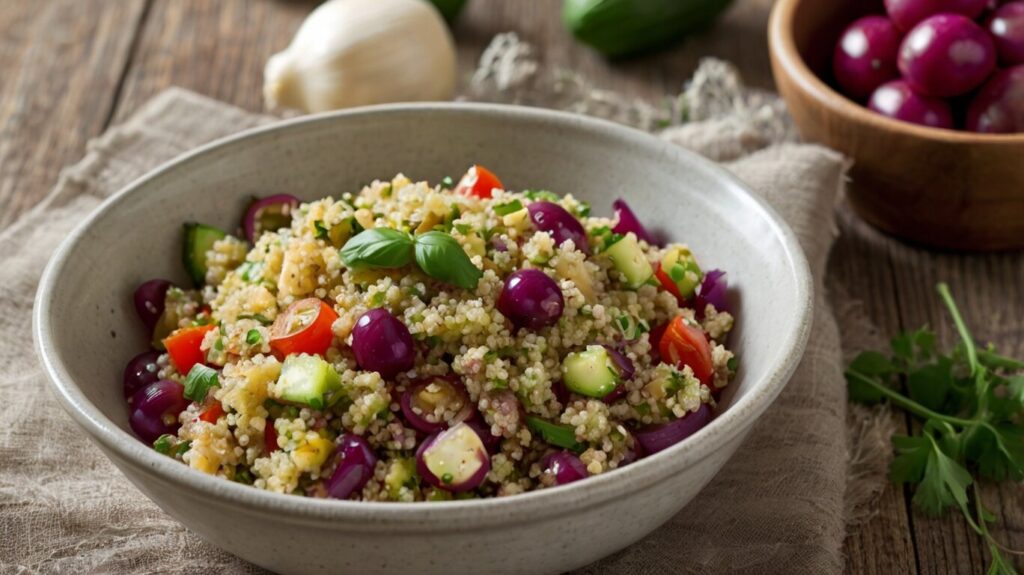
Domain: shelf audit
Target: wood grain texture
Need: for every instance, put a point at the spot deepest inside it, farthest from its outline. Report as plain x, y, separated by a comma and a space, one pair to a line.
67, 67
60, 67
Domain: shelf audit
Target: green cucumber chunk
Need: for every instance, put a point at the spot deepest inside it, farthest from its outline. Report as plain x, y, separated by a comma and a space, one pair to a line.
630, 260
199, 239
307, 380
590, 372
401, 473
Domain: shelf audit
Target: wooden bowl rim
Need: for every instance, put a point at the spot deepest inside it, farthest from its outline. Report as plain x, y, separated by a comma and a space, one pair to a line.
783, 47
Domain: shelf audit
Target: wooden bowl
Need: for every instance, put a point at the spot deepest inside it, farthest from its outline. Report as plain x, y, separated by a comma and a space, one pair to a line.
942, 188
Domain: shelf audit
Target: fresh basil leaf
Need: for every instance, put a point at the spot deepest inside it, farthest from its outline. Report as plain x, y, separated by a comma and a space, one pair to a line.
558, 435
378, 248
441, 257
508, 208
199, 381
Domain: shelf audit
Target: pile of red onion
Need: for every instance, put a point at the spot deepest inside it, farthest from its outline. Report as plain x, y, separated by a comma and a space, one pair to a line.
953, 64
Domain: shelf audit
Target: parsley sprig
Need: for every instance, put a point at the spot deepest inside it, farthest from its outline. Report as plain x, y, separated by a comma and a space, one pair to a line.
972, 404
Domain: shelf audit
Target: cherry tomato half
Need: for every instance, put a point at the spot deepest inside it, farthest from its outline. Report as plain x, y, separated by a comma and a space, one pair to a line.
684, 345
183, 346
478, 182
666, 282
212, 413
305, 327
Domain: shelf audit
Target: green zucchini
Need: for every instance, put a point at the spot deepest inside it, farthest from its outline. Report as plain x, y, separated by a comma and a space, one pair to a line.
623, 27
199, 239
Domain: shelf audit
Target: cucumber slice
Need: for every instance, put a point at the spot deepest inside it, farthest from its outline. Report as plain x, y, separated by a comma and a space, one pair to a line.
590, 372
307, 380
199, 238
631, 261
401, 473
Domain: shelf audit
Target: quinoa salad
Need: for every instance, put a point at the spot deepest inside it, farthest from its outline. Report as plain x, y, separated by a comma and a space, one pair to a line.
418, 342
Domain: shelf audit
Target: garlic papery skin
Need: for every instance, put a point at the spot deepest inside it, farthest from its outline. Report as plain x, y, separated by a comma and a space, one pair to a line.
359, 52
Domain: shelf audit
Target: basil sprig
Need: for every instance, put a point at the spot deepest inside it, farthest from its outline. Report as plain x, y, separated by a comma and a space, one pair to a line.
436, 253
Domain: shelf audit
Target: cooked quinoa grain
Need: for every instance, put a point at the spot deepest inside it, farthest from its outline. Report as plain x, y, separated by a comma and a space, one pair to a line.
412, 342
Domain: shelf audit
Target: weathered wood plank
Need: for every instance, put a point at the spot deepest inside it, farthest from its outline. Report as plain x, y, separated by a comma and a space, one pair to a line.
860, 268
61, 63
214, 48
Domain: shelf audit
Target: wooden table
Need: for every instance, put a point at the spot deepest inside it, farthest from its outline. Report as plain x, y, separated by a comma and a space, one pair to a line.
71, 68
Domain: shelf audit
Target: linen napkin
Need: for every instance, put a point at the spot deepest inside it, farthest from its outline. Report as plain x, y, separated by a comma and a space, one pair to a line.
777, 506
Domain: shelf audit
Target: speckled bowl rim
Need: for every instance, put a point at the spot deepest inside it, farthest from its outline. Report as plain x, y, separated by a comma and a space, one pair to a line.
452, 515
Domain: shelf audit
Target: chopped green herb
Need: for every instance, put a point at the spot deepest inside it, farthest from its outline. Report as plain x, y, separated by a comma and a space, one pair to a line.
164, 443
971, 402
463, 229
386, 191
181, 449
218, 344
199, 381
541, 195
377, 299
447, 478
508, 208
583, 210
733, 364
256, 316
243, 476
447, 182
555, 434
321, 230
252, 337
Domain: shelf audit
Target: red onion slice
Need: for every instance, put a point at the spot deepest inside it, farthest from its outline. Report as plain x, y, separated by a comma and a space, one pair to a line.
460, 452
356, 461
628, 222
564, 466
713, 290
450, 390
659, 437
268, 214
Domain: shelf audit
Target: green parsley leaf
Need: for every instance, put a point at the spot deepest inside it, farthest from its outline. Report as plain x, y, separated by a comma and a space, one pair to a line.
463, 229
378, 248
163, 444
199, 381
508, 208
583, 210
252, 337
258, 317
441, 257
558, 435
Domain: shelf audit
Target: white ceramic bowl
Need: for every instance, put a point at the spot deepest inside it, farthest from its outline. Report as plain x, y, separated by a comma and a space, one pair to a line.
85, 299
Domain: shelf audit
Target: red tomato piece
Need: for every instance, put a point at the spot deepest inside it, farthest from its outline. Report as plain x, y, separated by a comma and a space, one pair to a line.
212, 413
270, 437
305, 327
666, 282
478, 182
684, 345
183, 347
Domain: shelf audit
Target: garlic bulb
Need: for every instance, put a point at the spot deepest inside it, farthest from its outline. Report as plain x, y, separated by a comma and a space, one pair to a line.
358, 52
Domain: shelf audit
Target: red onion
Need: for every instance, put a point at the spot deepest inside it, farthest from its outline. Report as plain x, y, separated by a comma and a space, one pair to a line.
713, 290
355, 463
268, 214
382, 343
451, 391
150, 298
155, 409
561, 392
458, 454
628, 222
531, 300
552, 218
564, 466
655, 339
491, 441
140, 372
658, 437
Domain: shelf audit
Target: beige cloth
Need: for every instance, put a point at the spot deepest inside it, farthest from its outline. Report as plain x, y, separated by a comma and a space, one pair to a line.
776, 507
